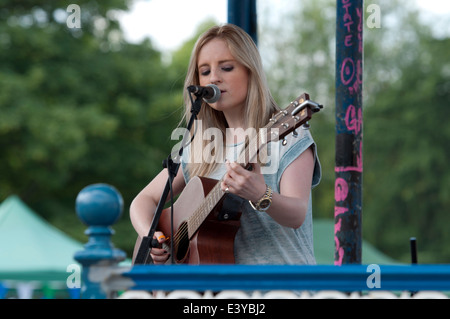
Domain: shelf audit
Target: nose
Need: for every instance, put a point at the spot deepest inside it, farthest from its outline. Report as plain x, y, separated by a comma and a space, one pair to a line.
215, 76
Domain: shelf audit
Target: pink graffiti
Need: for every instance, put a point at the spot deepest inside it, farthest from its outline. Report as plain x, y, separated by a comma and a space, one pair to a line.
337, 228
349, 66
339, 210
347, 71
347, 16
352, 121
360, 28
339, 249
356, 86
340, 189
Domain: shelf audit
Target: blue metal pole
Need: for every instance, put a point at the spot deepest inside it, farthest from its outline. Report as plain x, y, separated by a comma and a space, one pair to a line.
243, 14
349, 120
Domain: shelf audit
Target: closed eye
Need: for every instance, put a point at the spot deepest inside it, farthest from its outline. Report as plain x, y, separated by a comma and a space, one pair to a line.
228, 68
206, 72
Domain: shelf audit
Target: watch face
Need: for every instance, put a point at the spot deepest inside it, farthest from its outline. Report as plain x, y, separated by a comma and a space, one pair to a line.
264, 203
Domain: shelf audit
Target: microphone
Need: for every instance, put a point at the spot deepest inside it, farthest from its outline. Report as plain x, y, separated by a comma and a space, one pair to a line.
209, 93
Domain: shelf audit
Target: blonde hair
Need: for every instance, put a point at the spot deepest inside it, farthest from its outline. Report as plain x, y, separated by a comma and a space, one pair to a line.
260, 104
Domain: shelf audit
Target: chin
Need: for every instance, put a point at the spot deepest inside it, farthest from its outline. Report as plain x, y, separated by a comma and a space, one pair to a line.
218, 106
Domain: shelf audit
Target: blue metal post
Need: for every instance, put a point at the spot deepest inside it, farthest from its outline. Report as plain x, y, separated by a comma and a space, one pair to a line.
243, 14
349, 120
99, 206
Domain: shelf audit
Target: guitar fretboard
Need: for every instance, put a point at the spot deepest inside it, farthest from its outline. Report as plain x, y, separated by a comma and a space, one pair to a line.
211, 200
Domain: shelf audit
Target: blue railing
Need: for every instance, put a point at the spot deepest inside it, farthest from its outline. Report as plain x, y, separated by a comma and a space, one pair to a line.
100, 205
284, 277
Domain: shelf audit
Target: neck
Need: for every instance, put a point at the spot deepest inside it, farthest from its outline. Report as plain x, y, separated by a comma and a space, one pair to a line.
236, 127
235, 118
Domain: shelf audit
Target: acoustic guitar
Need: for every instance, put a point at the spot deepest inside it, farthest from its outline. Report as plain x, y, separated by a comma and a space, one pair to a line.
204, 220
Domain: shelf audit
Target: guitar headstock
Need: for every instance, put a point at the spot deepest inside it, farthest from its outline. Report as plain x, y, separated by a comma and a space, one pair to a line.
297, 113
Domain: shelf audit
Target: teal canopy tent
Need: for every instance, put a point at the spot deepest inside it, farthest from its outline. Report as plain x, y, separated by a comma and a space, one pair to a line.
30, 248
324, 246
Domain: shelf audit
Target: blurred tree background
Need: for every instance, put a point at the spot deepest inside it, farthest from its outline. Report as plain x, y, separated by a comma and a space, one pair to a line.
406, 90
83, 106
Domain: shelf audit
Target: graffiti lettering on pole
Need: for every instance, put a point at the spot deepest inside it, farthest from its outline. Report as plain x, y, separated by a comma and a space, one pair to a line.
349, 122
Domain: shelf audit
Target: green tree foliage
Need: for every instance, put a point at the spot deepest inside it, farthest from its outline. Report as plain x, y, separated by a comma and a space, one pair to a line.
80, 106
406, 91
407, 180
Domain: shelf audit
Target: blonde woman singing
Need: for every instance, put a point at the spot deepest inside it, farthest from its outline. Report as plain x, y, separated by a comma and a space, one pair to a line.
276, 220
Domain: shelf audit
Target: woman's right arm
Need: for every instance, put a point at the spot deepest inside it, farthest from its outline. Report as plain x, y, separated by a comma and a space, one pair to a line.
144, 204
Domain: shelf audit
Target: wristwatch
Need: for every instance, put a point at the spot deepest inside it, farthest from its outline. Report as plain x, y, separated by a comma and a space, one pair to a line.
264, 203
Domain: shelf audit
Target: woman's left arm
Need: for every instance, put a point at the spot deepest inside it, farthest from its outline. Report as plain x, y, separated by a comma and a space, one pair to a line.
288, 207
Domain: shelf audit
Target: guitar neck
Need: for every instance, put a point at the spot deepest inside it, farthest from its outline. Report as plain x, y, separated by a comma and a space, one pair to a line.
211, 200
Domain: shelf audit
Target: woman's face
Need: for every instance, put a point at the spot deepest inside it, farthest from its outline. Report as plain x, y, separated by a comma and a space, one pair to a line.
217, 66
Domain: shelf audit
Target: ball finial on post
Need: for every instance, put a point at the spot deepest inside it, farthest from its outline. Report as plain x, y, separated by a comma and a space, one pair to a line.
99, 206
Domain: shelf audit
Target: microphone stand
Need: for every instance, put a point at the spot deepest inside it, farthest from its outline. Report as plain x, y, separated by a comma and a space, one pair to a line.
148, 242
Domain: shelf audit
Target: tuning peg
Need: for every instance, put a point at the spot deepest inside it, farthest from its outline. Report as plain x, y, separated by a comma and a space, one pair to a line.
295, 133
284, 142
306, 126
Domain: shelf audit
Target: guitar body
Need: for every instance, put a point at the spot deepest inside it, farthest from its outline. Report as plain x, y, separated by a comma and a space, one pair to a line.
213, 242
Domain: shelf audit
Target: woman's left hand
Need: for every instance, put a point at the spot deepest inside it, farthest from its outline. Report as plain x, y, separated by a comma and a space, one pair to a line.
244, 183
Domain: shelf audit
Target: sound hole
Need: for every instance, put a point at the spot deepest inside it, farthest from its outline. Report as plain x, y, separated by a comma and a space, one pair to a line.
181, 243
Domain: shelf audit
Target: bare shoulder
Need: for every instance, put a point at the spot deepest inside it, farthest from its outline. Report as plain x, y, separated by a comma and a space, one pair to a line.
297, 177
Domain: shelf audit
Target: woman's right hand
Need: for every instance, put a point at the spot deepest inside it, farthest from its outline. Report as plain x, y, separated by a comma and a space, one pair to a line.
160, 255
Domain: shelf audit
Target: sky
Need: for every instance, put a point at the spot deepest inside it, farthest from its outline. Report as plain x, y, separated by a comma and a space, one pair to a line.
171, 22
